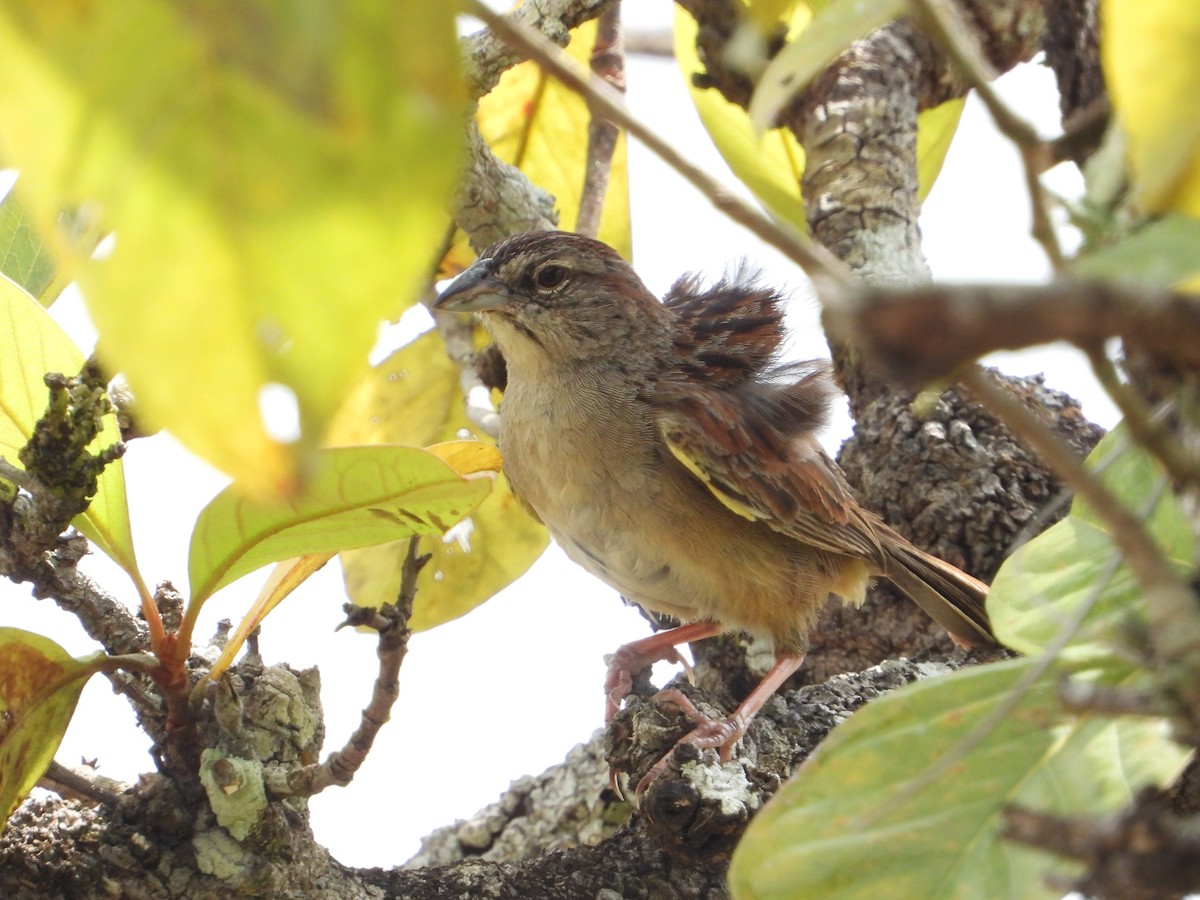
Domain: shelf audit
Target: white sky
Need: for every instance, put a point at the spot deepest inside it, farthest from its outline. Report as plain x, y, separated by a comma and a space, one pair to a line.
510, 688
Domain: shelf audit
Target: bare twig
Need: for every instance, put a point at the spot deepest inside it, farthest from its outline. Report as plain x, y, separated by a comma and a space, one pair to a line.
1143, 555
1169, 601
1148, 430
608, 62
945, 23
650, 43
75, 785
817, 262
487, 54
929, 331
1001, 711
1144, 851
391, 621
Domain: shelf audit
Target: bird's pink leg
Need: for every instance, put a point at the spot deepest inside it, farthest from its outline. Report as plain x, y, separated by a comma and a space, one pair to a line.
723, 733
636, 655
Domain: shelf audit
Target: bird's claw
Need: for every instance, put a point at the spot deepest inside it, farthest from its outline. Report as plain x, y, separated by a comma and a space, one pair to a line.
707, 733
624, 664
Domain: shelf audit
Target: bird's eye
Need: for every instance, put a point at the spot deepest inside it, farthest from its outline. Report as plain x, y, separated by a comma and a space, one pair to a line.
550, 276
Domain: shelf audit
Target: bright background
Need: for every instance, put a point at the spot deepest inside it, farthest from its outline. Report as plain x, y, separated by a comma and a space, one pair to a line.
508, 689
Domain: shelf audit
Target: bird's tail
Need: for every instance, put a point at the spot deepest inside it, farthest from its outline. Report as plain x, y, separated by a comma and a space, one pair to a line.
950, 596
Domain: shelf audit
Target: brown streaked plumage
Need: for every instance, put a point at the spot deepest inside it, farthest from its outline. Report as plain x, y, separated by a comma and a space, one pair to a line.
669, 454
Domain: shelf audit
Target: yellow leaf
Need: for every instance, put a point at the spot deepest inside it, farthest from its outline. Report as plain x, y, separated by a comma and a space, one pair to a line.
765, 14
772, 166
468, 457
1152, 68
935, 130
815, 43
413, 397
485, 552
534, 123
275, 175
39, 687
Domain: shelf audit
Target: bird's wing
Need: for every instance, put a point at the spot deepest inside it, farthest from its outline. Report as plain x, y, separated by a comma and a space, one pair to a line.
754, 448
725, 333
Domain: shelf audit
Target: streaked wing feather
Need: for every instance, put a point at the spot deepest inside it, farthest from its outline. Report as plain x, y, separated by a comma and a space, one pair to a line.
753, 447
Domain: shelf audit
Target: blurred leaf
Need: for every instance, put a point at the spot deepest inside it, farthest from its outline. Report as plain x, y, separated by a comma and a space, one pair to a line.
846, 825
357, 496
413, 397
772, 166
1151, 68
275, 174
1163, 253
766, 14
936, 128
833, 28
534, 123
32, 344
23, 256
1041, 586
39, 687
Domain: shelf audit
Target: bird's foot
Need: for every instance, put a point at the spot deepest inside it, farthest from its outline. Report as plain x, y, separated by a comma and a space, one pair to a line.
707, 734
626, 662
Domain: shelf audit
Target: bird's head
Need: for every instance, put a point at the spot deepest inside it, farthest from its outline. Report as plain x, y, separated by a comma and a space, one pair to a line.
552, 297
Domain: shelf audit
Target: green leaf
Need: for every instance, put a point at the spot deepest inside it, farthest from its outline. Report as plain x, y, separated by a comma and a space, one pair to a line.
1041, 586
848, 825
39, 687
23, 256
834, 27
32, 345
275, 174
357, 496
1162, 254
413, 397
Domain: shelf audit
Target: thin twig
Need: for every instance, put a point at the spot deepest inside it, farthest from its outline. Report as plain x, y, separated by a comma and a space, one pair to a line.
608, 62
946, 24
1144, 556
926, 332
391, 621
74, 785
1170, 602
650, 43
1147, 429
1000, 712
818, 262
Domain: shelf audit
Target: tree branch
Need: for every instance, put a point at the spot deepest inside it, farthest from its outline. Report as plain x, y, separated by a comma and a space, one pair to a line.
608, 63
817, 262
391, 623
928, 331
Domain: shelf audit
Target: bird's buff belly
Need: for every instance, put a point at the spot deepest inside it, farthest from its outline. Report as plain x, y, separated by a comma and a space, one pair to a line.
696, 578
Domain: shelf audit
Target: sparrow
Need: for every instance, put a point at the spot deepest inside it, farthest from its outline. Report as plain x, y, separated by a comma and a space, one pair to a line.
671, 454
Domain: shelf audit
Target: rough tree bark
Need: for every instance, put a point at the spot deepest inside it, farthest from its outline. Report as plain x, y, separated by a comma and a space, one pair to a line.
949, 477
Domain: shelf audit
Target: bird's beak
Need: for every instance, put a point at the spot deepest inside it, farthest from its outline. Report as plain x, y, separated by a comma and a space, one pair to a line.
475, 290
